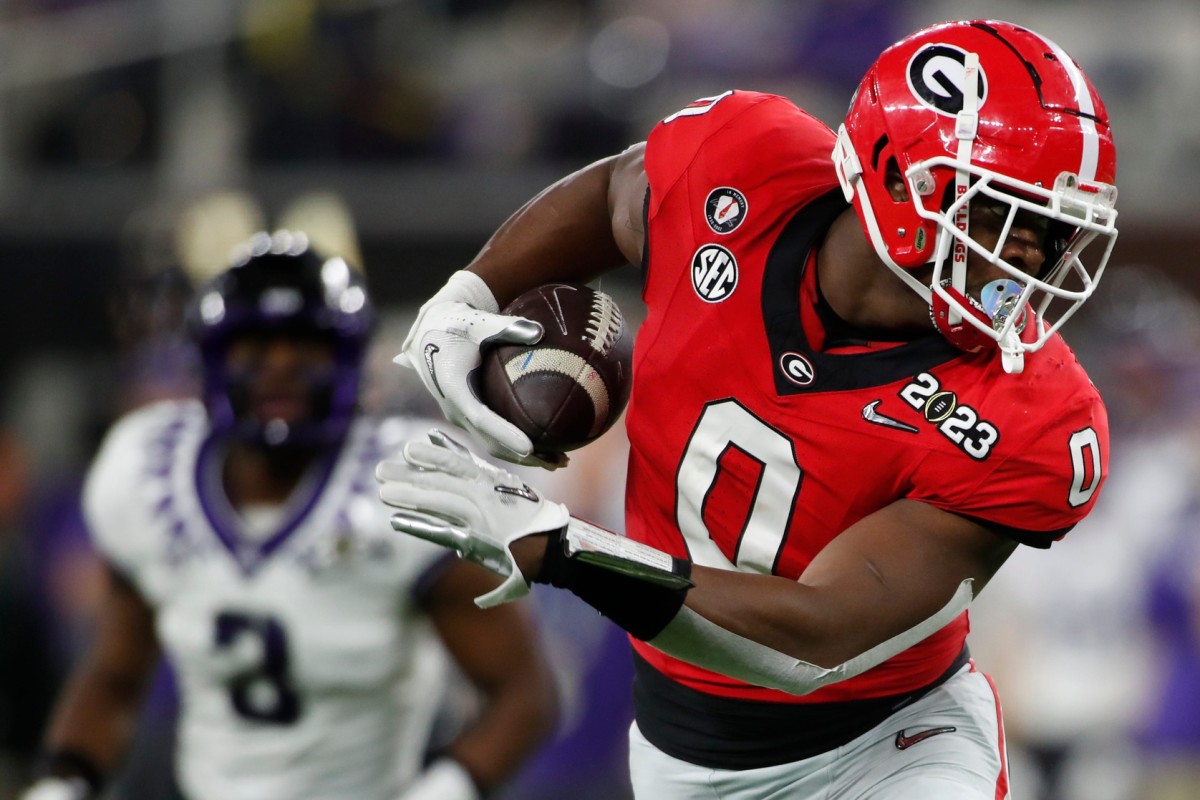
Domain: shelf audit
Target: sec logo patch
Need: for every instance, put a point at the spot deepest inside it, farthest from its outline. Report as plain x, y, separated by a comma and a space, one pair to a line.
724, 209
714, 273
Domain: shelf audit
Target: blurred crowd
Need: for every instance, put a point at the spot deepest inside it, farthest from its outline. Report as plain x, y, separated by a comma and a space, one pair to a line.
1095, 644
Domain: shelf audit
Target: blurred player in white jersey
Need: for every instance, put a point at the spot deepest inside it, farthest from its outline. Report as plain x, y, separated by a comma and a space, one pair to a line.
244, 538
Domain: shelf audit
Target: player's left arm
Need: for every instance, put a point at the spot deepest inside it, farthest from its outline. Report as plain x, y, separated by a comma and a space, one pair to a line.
94, 720
499, 652
899, 574
882, 585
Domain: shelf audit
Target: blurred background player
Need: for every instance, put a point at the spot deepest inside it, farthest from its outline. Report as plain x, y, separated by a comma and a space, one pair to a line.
242, 537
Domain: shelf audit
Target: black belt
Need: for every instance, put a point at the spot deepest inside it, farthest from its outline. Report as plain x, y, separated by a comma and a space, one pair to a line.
729, 733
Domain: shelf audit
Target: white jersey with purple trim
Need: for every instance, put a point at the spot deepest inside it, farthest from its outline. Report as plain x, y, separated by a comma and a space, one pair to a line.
306, 669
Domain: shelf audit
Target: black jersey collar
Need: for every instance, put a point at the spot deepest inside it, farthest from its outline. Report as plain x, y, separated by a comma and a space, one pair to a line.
827, 372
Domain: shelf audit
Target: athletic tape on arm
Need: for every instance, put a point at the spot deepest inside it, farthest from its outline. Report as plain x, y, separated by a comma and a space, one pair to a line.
695, 639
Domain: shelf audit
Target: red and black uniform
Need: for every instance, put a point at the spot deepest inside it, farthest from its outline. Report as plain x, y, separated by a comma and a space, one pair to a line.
761, 426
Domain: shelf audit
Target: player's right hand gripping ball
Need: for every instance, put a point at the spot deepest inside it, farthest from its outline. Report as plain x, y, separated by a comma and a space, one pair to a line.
572, 385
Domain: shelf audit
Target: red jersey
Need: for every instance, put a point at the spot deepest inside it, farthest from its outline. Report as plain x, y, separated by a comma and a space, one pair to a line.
756, 436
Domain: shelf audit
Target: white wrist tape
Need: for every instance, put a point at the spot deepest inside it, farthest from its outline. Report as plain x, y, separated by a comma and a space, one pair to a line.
467, 287
693, 638
446, 779
462, 287
58, 789
594, 545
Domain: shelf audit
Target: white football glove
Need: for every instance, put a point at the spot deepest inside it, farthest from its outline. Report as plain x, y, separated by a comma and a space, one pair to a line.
443, 347
454, 499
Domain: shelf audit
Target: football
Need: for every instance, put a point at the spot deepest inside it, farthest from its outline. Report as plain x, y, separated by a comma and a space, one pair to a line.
573, 384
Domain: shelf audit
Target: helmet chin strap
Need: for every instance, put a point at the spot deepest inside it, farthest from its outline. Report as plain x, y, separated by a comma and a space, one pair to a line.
1012, 358
966, 127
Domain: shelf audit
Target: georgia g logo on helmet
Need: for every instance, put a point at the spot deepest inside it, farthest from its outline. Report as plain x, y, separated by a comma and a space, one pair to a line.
937, 77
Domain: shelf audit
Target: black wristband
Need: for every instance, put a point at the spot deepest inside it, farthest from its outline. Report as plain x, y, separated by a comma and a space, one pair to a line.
640, 607
67, 763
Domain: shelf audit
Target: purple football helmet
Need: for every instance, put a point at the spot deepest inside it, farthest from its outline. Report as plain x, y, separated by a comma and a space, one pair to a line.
278, 284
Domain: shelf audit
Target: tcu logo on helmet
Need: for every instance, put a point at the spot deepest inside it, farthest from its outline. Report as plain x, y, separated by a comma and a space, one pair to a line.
714, 273
937, 77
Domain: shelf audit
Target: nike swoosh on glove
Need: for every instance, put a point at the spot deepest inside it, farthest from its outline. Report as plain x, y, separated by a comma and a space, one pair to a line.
443, 346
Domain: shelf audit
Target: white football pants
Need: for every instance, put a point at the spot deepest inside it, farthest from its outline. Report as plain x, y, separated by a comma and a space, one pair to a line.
949, 745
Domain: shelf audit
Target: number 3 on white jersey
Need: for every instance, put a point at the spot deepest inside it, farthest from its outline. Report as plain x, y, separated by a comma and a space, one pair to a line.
723, 425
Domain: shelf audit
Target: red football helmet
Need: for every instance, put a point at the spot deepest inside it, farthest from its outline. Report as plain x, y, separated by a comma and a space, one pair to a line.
991, 112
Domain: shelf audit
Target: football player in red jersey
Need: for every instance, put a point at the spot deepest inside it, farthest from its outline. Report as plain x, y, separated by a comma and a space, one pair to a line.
851, 403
